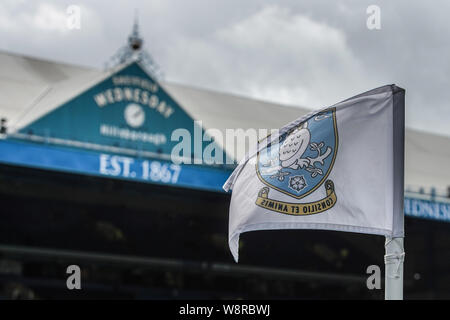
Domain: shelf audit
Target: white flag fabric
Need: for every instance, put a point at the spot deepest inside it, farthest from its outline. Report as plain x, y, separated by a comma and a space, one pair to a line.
339, 168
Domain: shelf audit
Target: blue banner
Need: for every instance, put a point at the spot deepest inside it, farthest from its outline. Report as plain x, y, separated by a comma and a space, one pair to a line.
427, 209
112, 165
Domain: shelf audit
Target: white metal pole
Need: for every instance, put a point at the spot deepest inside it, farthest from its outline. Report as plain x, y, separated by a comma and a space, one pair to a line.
393, 260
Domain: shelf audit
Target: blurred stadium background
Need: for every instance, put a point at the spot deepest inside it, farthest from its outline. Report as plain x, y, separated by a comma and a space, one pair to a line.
111, 202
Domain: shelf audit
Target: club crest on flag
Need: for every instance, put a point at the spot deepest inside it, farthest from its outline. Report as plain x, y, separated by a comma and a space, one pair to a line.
299, 163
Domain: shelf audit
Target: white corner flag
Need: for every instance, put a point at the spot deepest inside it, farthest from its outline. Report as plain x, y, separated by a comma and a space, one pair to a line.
339, 168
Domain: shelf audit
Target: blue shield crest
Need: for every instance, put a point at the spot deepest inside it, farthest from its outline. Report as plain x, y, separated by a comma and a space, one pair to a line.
303, 157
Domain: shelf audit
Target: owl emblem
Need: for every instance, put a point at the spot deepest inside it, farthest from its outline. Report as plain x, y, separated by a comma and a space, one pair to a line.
294, 147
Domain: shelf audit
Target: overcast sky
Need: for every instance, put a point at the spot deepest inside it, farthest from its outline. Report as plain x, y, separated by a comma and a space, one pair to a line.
303, 53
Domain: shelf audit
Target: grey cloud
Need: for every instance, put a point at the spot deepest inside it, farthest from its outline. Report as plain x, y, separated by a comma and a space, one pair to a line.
222, 45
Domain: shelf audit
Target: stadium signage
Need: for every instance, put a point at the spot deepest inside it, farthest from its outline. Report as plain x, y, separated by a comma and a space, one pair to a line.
145, 96
128, 110
147, 170
427, 209
110, 165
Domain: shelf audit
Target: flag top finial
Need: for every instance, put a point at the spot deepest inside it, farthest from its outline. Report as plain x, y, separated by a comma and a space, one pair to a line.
134, 51
134, 40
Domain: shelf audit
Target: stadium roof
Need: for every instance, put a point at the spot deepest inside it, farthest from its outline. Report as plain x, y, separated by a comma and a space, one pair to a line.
31, 87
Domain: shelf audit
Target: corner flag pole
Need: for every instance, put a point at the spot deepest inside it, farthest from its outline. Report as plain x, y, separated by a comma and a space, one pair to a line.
393, 261
395, 254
